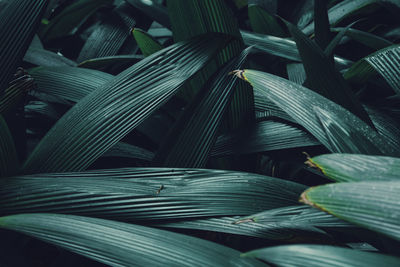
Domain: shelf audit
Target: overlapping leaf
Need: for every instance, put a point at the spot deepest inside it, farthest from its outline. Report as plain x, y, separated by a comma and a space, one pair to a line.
190, 141
8, 155
121, 244
110, 112
19, 20
323, 78
133, 194
386, 62
70, 18
69, 83
320, 256
372, 204
356, 167
311, 109
263, 136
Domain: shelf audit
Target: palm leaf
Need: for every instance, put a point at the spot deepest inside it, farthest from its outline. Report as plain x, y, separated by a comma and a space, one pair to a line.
8, 155
70, 18
282, 47
134, 194
106, 62
147, 44
43, 57
276, 224
190, 141
371, 204
121, 244
263, 136
19, 20
366, 38
310, 109
385, 62
69, 83
323, 78
112, 29
356, 167
346, 9
154, 10
15, 93
320, 256
213, 16
263, 22
96, 123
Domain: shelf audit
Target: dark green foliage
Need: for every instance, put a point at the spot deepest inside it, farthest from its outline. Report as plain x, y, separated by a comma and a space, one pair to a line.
199, 133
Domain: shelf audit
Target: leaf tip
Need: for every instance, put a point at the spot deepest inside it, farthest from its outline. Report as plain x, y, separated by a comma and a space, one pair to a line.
239, 74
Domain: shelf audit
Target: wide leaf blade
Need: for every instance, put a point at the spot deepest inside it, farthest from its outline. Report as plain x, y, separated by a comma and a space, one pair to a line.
357, 167
122, 244
19, 20
372, 204
320, 256
134, 194
106, 115
304, 106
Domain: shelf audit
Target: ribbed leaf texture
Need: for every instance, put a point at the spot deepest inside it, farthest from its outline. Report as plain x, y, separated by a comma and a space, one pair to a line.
357, 167
311, 109
147, 194
372, 204
121, 244
110, 112
320, 256
19, 21
8, 155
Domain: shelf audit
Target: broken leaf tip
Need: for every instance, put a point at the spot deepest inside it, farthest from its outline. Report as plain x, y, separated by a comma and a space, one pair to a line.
239, 74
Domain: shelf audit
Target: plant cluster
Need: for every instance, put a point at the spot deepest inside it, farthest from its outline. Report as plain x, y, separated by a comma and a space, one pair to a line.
200, 133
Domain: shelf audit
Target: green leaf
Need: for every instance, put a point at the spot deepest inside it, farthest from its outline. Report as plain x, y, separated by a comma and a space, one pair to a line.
296, 73
9, 163
105, 116
125, 150
346, 139
276, 224
190, 18
386, 126
106, 62
309, 109
19, 21
357, 167
263, 136
16, 92
320, 256
69, 83
366, 38
323, 34
106, 39
266, 108
70, 18
346, 9
384, 62
282, 47
122, 244
191, 139
154, 10
372, 204
263, 22
322, 76
137, 194
147, 44
46, 58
